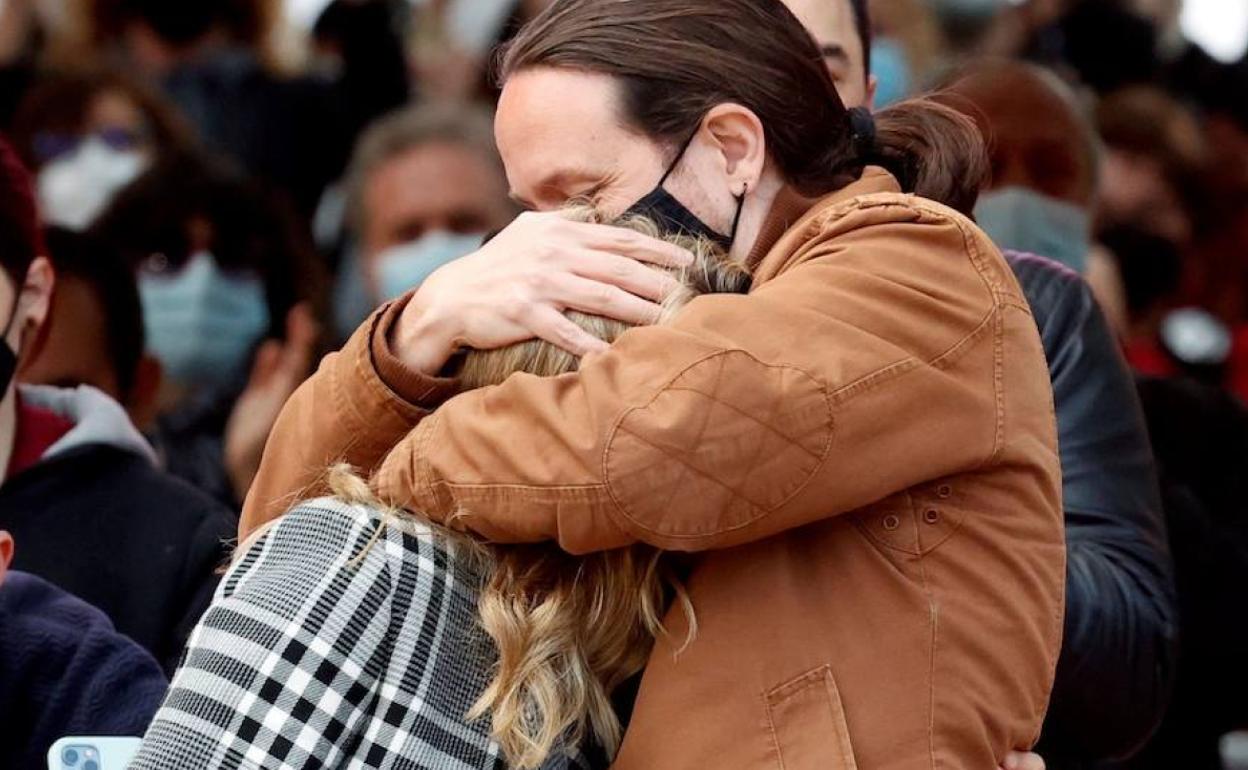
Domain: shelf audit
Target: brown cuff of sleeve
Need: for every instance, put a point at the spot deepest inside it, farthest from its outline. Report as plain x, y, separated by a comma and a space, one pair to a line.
416, 388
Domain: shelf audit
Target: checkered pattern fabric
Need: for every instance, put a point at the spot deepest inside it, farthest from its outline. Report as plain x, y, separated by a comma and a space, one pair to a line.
338, 640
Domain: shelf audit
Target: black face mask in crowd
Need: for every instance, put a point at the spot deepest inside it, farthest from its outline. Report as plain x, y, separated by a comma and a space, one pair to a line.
673, 218
8, 356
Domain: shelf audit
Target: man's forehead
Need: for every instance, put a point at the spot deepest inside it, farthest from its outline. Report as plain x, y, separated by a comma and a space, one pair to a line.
830, 22
554, 126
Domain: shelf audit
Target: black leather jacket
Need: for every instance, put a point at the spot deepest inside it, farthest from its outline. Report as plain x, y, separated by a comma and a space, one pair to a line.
1117, 661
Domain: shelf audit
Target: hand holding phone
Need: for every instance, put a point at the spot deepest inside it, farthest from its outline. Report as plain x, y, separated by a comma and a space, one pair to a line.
92, 753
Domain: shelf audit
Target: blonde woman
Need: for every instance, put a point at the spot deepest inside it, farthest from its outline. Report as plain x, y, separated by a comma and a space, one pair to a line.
349, 635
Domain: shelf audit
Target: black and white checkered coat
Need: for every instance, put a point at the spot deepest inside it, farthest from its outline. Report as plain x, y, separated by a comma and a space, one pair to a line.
336, 641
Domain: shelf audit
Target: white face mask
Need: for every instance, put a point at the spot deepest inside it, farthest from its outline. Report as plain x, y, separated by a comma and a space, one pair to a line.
474, 25
76, 188
401, 268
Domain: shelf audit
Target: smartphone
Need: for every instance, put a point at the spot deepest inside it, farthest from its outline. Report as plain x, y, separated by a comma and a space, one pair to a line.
92, 753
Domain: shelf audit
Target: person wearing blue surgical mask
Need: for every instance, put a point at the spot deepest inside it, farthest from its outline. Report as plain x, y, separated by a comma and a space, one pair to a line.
203, 319
424, 188
226, 285
1044, 172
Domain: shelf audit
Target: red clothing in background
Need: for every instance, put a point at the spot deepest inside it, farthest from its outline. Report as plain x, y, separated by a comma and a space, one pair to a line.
37, 430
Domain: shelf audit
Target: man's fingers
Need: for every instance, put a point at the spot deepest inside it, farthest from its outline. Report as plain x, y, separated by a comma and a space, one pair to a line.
554, 327
603, 299
302, 331
301, 326
628, 243
267, 362
627, 273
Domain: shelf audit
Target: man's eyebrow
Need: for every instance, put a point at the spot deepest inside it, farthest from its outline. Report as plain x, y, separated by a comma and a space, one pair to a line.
554, 182
834, 51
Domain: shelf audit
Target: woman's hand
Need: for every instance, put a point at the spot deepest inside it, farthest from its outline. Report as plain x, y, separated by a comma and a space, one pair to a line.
517, 287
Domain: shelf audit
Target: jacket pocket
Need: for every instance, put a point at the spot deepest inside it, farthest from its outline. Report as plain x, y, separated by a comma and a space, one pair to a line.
808, 724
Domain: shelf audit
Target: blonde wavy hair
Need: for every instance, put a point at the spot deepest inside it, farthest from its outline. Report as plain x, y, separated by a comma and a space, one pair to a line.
569, 629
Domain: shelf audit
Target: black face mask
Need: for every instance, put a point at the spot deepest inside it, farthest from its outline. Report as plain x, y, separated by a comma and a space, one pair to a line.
8, 357
673, 218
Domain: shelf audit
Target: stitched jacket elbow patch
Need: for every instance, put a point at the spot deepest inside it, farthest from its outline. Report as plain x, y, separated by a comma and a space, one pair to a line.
727, 442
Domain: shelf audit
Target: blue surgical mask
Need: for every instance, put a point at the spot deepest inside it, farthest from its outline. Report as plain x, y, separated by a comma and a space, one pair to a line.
891, 66
1020, 219
203, 323
402, 268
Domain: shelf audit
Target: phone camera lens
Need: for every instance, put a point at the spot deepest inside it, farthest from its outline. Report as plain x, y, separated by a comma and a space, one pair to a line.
90, 764
70, 756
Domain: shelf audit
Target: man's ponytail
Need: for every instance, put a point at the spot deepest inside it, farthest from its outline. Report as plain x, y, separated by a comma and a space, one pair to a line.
933, 150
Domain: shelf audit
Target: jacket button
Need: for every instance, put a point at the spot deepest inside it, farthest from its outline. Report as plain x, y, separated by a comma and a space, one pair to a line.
931, 516
891, 522
945, 491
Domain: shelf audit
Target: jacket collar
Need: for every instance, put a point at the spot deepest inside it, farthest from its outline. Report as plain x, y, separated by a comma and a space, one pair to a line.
96, 419
792, 211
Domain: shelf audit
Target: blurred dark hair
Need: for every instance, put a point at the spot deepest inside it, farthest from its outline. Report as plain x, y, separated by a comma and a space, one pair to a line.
182, 22
20, 238
676, 59
1060, 155
375, 78
1147, 121
110, 279
251, 227
1109, 45
59, 102
1151, 267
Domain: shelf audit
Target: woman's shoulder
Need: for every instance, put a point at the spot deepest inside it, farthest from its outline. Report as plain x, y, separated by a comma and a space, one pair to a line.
319, 525
872, 225
358, 533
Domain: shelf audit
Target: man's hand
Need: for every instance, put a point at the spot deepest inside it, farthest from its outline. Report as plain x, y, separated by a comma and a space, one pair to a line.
1019, 761
279, 368
517, 287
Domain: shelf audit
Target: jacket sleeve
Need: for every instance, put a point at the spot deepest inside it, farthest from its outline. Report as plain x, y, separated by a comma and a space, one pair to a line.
1118, 655
357, 405
829, 387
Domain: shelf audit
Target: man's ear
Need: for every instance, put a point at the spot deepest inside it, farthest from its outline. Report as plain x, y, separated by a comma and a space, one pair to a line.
144, 401
739, 136
873, 83
35, 302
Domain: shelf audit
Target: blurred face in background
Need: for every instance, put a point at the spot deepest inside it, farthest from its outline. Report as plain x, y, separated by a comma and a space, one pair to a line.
438, 197
835, 28
80, 170
1043, 155
75, 351
1152, 143
1137, 191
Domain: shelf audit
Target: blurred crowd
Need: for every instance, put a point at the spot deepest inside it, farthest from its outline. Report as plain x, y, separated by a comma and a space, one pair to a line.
229, 188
